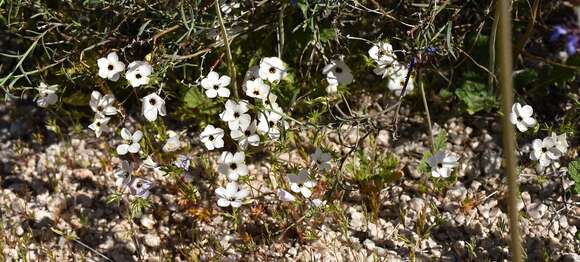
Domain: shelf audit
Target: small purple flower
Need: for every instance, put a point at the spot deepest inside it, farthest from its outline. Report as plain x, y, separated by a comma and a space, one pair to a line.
294, 2
183, 162
140, 187
558, 32
431, 50
571, 44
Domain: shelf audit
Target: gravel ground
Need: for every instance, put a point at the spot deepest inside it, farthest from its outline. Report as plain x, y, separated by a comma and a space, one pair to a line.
53, 203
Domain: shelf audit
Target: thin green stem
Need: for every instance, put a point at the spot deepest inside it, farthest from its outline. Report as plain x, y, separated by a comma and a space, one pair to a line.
231, 67
427, 113
508, 136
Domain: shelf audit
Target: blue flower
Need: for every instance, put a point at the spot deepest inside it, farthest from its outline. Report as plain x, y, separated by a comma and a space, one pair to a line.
572, 44
431, 50
294, 2
557, 33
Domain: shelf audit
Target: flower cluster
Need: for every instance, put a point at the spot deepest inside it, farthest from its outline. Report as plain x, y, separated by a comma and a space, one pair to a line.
246, 120
388, 66
549, 149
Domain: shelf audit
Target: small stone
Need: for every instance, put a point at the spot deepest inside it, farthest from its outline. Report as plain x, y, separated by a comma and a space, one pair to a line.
417, 204
152, 240
147, 221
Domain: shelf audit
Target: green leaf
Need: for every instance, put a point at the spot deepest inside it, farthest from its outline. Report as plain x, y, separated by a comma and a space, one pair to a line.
574, 172
327, 34
476, 97
194, 98
78, 98
440, 141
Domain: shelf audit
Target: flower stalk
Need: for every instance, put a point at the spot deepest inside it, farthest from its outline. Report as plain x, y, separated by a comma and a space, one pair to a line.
231, 67
508, 136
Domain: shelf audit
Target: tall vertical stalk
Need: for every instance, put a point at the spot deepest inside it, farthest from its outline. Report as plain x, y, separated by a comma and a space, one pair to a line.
231, 66
508, 136
427, 113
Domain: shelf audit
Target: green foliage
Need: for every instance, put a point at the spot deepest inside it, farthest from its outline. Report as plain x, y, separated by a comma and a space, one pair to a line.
574, 172
476, 97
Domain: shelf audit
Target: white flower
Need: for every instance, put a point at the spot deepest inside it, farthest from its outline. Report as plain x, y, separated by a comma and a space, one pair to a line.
110, 67
228, 6
386, 69
46, 95
337, 72
317, 203
560, 142
545, 151
233, 165
272, 69
332, 88
172, 144
123, 174
271, 104
382, 53
285, 196
102, 105
131, 142
149, 163
442, 164
321, 159
521, 116
251, 75
235, 115
268, 124
257, 89
212, 137
140, 187
231, 195
215, 85
397, 82
301, 183
99, 125
246, 137
138, 73
182, 162
153, 104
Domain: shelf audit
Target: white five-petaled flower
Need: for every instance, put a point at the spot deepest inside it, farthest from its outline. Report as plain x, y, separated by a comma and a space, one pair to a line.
110, 67
215, 85
301, 183
257, 89
382, 53
233, 165
397, 82
246, 137
138, 73
172, 144
46, 95
131, 142
231, 195
99, 125
321, 159
337, 72
140, 187
251, 75
560, 142
150, 164
235, 115
545, 151
442, 163
521, 116
212, 137
182, 162
123, 174
386, 69
284, 195
102, 104
153, 105
268, 124
228, 6
272, 69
